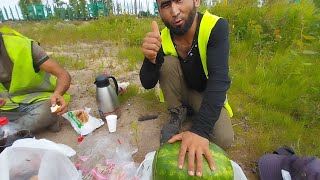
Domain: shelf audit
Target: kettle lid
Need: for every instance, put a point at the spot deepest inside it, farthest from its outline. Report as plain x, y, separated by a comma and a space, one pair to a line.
102, 81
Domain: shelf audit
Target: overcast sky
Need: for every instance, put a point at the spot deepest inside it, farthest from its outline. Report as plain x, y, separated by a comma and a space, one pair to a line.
12, 3
146, 5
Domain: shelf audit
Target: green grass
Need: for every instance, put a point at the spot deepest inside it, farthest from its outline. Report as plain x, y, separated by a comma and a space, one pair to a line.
148, 98
274, 66
69, 62
151, 101
119, 29
133, 55
265, 129
132, 90
135, 127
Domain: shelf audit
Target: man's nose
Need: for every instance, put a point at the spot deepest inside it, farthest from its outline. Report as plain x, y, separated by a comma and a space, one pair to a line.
175, 11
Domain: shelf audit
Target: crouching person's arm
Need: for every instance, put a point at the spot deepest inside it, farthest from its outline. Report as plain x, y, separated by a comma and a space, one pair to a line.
63, 84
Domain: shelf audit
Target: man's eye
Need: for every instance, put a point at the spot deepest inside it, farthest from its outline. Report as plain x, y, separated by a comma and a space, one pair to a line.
165, 5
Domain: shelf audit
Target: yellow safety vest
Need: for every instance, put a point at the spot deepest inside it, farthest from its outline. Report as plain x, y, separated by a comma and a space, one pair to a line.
26, 85
208, 21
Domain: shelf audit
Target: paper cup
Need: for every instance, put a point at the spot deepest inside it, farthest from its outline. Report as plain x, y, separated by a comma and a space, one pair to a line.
112, 122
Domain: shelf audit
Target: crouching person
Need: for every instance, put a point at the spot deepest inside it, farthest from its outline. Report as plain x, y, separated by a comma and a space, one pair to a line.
189, 59
30, 84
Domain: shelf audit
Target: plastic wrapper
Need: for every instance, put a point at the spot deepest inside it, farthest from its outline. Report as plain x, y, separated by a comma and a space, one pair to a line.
106, 157
82, 122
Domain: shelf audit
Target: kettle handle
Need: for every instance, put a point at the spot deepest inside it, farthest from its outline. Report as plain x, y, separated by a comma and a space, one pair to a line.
115, 83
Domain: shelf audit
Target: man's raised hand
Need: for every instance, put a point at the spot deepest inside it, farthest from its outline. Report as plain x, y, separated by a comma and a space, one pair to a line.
152, 43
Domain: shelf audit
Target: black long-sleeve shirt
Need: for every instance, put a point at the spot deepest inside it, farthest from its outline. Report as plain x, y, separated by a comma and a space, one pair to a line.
214, 88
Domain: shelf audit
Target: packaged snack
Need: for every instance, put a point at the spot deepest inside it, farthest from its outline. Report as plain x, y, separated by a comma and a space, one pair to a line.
82, 121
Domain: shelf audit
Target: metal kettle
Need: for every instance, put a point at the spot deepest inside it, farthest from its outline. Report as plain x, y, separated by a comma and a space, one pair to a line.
106, 96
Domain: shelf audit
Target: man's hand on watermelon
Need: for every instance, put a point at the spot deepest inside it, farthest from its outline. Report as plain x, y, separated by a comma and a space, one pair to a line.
196, 146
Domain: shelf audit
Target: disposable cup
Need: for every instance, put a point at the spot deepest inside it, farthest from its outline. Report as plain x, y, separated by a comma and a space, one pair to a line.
112, 122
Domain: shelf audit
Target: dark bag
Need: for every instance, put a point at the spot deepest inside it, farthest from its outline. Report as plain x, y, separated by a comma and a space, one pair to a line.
284, 150
271, 166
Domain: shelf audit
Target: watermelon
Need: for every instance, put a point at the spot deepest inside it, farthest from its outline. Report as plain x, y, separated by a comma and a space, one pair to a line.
165, 164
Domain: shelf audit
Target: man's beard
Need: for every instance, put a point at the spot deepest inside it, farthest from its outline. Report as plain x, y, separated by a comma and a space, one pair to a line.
179, 31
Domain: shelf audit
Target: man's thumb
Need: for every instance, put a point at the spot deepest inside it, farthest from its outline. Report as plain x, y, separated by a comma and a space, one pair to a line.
53, 101
175, 138
155, 27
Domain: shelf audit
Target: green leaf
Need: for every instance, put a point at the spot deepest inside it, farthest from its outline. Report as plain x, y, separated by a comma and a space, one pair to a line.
294, 52
299, 43
309, 52
308, 37
307, 64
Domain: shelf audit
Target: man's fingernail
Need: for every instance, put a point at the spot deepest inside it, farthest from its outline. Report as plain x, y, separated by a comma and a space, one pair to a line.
198, 173
191, 173
213, 168
180, 166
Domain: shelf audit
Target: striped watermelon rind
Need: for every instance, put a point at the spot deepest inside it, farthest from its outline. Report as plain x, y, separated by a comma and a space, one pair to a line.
165, 164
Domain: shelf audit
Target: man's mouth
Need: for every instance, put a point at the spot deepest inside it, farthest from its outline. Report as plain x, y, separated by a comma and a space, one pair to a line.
178, 22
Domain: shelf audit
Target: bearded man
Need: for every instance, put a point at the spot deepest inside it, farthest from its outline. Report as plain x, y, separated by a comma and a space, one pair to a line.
189, 59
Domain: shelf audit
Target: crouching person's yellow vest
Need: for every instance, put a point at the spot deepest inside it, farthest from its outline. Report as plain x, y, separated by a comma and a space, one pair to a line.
27, 86
207, 23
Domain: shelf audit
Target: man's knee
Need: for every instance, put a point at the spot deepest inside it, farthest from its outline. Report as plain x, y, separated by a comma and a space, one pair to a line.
38, 118
224, 141
170, 64
223, 134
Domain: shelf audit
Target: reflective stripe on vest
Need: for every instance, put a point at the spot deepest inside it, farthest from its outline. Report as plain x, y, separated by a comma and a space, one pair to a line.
26, 85
207, 23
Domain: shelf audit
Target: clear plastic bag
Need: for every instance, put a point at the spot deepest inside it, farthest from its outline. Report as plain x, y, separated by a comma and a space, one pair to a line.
106, 157
22, 163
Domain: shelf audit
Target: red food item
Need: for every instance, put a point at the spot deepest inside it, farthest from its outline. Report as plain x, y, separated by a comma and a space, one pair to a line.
4, 121
80, 139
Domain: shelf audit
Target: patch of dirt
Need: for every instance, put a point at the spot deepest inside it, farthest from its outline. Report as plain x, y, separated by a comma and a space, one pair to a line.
100, 58
145, 135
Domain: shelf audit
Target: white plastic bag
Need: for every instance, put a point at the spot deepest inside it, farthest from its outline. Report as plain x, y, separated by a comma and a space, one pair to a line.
83, 128
144, 172
21, 163
44, 144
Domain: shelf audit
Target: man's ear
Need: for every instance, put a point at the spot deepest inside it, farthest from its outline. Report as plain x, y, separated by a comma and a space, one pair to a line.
197, 3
